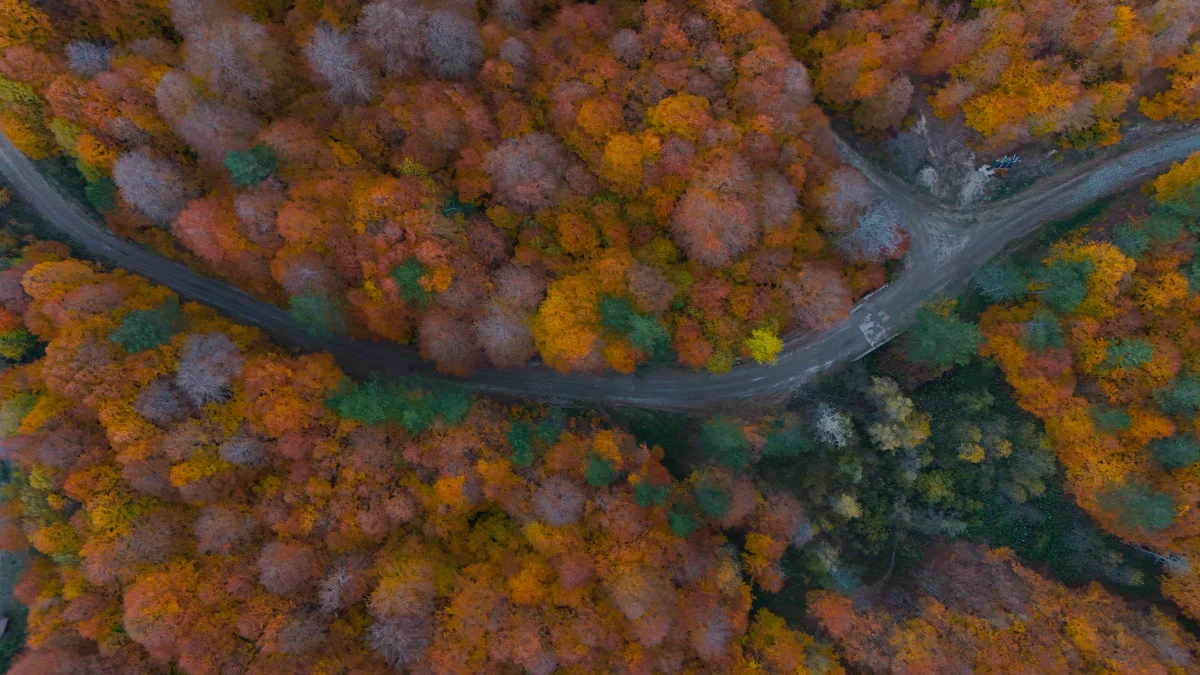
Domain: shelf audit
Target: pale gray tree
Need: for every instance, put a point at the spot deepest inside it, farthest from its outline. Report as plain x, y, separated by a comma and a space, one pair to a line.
153, 185
87, 59
453, 46
208, 361
333, 57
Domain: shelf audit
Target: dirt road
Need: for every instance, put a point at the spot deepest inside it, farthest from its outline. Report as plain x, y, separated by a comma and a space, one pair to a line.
948, 245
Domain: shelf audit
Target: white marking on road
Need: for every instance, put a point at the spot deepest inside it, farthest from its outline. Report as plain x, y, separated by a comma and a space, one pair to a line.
874, 332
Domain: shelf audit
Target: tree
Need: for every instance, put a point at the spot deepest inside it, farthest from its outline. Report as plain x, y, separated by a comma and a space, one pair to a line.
764, 345
145, 329
847, 196
648, 336
528, 173
1177, 452
23, 24
1139, 507
401, 640
286, 568
878, 236
453, 45
17, 343
819, 296
1043, 332
220, 529
1126, 353
505, 336
600, 471
243, 449
251, 167
446, 340
1131, 239
408, 280
161, 403
948, 622
725, 442
213, 130
207, 363
1065, 284
831, 426
558, 501
102, 195
87, 59
332, 56
395, 32
318, 313
236, 56
940, 340
1000, 282
155, 186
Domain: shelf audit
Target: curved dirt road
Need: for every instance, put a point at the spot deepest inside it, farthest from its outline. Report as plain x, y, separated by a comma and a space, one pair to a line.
947, 246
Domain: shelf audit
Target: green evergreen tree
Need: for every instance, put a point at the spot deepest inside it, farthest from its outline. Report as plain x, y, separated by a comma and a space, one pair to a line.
102, 195
1065, 284
251, 167
1131, 239
616, 314
600, 471
408, 279
1043, 332
725, 442
1127, 353
147, 328
1139, 506
1176, 452
999, 282
940, 341
648, 336
646, 495
520, 439
318, 313
1110, 419
713, 500
1182, 398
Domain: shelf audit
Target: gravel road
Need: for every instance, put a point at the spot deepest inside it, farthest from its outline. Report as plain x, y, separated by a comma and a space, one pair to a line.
947, 246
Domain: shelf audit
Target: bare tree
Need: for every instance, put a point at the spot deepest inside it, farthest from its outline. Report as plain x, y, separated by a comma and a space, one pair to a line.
287, 567
832, 427
160, 403
155, 186
776, 200
528, 172
214, 130
878, 236
237, 57
626, 45
86, 59
208, 362
505, 336
395, 32
244, 449
401, 640
332, 56
558, 501
453, 46
302, 632
515, 13
522, 286
175, 95
848, 196
220, 529
344, 584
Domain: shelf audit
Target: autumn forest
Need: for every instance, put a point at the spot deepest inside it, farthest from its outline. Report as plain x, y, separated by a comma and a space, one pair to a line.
1007, 482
